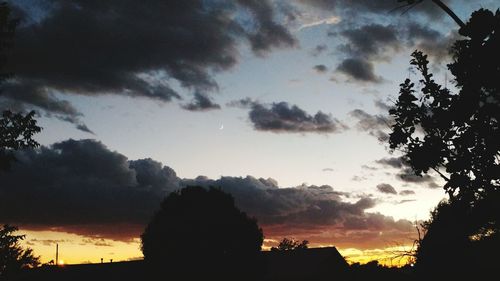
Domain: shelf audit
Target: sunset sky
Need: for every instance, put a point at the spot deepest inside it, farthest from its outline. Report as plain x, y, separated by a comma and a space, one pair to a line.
283, 104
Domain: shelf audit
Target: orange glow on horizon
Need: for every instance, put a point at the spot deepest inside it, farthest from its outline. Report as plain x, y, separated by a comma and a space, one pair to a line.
76, 249
390, 256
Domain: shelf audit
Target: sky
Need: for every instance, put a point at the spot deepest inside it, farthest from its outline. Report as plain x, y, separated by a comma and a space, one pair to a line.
283, 104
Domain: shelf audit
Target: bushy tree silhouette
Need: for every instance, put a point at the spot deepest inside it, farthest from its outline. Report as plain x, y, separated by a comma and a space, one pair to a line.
16, 132
200, 230
16, 129
457, 135
290, 244
13, 257
457, 132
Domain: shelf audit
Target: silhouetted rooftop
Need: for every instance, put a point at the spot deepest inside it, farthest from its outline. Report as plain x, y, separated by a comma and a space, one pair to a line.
307, 264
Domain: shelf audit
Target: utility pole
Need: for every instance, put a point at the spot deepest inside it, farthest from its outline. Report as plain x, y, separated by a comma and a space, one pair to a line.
57, 254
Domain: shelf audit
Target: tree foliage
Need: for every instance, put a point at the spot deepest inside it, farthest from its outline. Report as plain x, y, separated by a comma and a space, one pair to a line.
290, 244
461, 240
16, 132
202, 228
16, 129
457, 135
13, 257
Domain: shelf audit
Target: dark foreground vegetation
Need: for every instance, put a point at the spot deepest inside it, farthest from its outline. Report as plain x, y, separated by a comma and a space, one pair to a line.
457, 135
140, 270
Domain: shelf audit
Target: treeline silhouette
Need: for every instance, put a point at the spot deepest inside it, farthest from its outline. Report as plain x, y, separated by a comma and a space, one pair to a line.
458, 137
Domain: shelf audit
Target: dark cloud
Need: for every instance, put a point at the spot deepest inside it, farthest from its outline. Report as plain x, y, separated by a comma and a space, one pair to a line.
405, 173
406, 192
320, 68
389, 7
386, 188
82, 187
201, 102
284, 118
370, 41
359, 69
433, 184
127, 48
379, 7
82, 127
388, 31
430, 41
242, 103
366, 167
375, 125
46, 242
358, 178
418, 31
308, 212
98, 242
318, 50
267, 34
382, 105
405, 201
287, 10
394, 162
365, 45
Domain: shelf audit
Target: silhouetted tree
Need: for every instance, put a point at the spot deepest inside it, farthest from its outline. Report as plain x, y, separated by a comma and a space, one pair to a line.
458, 132
16, 132
13, 257
457, 135
16, 129
289, 244
199, 231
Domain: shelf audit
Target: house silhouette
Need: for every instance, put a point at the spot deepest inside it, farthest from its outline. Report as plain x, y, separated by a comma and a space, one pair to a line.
305, 264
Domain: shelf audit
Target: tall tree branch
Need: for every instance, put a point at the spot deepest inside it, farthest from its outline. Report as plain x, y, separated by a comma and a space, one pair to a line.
450, 13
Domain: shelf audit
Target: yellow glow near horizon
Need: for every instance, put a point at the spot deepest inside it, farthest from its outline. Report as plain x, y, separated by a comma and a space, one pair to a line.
390, 256
76, 249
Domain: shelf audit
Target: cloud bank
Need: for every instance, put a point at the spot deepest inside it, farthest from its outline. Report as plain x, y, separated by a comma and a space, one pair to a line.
124, 47
282, 117
83, 187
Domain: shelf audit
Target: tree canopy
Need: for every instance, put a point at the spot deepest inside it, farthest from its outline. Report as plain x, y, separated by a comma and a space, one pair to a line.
16, 129
13, 257
290, 244
456, 135
16, 132
202, 227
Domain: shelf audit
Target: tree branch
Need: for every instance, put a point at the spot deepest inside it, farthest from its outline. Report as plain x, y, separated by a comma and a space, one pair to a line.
450, 13
441, 174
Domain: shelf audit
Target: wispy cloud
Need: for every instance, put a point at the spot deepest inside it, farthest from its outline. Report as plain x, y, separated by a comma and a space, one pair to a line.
316, 22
